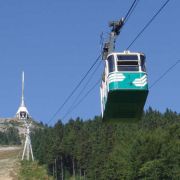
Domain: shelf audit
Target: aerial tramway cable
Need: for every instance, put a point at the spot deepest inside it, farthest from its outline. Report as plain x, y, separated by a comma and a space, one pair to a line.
128, 14
75, 89
84, 77
151, 86
82, 90
148, 23
164, 74
130, 11
82, 99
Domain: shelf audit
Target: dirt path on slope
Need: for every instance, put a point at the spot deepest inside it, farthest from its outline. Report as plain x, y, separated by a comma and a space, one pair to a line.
9, 163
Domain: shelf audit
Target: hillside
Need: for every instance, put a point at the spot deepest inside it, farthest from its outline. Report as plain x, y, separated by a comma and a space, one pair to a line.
12, 130
11, 122
5, 123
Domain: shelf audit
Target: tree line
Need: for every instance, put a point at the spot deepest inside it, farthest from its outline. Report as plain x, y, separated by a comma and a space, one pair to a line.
92, 149
10, 136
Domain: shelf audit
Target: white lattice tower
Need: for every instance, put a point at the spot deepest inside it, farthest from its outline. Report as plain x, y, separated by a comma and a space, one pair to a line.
27, 151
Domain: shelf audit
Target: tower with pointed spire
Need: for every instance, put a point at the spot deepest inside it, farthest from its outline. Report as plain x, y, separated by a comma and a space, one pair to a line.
22, 112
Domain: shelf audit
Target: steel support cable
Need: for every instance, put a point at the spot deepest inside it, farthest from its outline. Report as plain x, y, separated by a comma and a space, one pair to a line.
147, 25
130, 11
88, 80
71, 94
82, 90
164, 74
74, 90
128, 14
88, 92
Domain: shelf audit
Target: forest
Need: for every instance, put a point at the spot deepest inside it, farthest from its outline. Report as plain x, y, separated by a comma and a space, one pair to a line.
10, 137
91, 149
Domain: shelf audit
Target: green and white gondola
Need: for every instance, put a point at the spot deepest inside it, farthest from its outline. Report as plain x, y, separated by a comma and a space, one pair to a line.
124, 86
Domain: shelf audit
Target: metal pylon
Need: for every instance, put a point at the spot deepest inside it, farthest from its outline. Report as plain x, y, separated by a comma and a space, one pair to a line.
27, 145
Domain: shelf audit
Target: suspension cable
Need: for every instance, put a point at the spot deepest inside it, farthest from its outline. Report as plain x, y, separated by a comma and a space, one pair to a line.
85, 96
74, 90
80, 82
130, 11
164, 74
82, 90
147, 25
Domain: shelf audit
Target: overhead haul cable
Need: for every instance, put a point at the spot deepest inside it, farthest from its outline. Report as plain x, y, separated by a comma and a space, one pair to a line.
74, 90
153, 84
82, 90
128, 14
147, 25
149, 22
81, 81
130, 11
164, 74
87, 93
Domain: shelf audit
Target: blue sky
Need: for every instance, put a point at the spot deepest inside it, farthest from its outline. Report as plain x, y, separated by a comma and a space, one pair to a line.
56, 41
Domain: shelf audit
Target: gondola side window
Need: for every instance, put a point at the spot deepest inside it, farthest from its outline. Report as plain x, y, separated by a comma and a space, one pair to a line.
111, 63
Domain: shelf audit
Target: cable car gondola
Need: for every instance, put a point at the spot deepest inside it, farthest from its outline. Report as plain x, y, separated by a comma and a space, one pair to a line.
124, 86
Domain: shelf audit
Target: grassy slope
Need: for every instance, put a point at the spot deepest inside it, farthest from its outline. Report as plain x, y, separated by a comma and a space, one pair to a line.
33, 171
